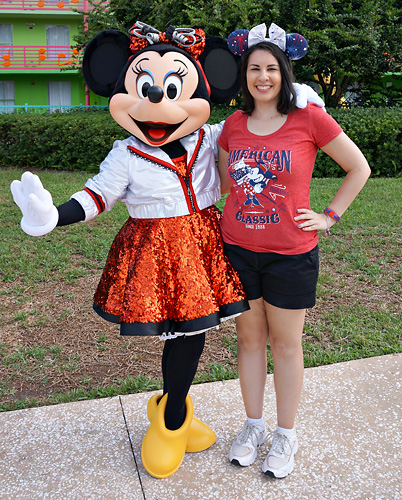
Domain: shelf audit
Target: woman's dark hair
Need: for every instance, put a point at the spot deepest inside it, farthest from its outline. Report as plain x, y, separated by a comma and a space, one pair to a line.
287, 95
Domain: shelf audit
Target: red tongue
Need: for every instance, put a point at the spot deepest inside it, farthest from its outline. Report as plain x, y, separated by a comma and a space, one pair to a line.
156, 133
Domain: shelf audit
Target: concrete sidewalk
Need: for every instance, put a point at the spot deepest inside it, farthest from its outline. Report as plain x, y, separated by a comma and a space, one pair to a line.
349, 428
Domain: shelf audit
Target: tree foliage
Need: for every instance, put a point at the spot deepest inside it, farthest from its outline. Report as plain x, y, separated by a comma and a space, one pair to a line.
215, 17
349, 40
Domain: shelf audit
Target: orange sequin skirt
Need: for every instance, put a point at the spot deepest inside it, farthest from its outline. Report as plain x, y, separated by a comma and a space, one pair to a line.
169, 276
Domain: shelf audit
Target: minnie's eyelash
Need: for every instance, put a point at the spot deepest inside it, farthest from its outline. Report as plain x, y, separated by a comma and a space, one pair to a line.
137, 70
182, 72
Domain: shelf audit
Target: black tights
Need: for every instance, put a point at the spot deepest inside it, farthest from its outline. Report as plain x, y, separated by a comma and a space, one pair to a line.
179, 365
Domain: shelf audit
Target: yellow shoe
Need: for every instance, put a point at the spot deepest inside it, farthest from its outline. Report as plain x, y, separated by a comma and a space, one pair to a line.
200, 436
163, 450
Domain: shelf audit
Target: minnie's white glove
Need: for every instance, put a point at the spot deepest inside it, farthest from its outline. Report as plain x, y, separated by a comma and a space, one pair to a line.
40, 216
305, 94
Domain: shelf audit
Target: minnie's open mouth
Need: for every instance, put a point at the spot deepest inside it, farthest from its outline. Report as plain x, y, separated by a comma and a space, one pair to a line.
157, 133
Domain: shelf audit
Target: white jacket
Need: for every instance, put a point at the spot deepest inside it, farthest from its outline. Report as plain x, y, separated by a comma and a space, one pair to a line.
144, 178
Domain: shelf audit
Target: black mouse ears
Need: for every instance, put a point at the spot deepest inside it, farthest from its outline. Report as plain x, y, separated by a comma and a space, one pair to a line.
104, 58
107, 53
221, 69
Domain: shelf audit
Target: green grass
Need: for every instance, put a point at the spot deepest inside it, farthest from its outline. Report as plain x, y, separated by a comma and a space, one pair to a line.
64, 254
129, 385
359, 310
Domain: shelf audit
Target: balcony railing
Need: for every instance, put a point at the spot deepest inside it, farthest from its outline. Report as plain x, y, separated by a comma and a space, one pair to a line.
37, 57
80, 5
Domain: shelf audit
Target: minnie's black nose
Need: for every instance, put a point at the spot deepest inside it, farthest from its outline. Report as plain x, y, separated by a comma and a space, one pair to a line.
155, 94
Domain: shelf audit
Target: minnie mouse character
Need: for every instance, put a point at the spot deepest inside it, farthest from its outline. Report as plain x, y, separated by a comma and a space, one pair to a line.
166, 273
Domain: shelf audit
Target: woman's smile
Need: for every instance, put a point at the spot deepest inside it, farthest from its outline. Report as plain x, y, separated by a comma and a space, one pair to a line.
263, 87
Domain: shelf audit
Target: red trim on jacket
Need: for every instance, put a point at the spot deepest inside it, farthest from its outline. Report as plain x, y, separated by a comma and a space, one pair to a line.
152, 158
97, 198
197, 208
197, 148
186, 195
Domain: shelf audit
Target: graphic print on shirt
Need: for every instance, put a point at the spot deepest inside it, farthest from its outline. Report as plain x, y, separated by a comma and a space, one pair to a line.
260, 194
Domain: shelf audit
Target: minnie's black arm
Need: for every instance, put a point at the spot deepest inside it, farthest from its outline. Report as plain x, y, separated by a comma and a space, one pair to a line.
70, 212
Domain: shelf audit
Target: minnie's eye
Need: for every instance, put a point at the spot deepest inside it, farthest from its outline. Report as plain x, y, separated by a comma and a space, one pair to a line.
144, 81
172, 87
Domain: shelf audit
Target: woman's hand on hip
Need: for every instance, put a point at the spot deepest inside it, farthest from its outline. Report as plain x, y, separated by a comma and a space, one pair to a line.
308, 220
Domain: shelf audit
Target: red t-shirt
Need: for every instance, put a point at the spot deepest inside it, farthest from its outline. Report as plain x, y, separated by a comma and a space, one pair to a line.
270, 178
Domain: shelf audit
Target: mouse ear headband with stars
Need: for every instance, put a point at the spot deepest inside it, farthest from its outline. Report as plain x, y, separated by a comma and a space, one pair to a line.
294, 45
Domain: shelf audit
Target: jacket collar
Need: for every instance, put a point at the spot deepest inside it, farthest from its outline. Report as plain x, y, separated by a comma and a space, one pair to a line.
191, 143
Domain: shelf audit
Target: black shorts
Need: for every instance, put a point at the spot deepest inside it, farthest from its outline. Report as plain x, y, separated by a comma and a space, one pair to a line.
285, 281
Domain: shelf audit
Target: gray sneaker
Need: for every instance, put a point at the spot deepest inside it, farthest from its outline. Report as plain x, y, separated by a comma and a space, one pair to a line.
244, 449
280, 459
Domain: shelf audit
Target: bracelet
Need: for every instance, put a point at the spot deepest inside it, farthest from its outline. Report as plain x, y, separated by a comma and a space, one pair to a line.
332, 214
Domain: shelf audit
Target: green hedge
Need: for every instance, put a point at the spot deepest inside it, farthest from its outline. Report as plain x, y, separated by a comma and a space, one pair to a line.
67, 141
377, 132
80, 141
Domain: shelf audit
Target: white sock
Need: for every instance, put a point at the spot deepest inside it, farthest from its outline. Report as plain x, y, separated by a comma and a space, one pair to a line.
287, 432
260, 422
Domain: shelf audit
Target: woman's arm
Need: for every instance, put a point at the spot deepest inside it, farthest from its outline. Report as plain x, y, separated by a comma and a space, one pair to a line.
348, 156
222, 168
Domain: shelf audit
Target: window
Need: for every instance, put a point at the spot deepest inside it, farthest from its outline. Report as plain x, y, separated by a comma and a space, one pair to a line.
59, 95
6, 39
56, 35
6, 34
7, 97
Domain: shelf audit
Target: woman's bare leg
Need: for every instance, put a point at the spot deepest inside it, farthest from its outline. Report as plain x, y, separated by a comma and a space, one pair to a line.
252, 337
285, 337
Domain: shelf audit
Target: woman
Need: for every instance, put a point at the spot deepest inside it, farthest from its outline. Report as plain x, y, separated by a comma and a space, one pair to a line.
266, 159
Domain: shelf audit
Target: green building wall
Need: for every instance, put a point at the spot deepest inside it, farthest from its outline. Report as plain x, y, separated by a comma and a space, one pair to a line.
31, 86
33, 90
36, 35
